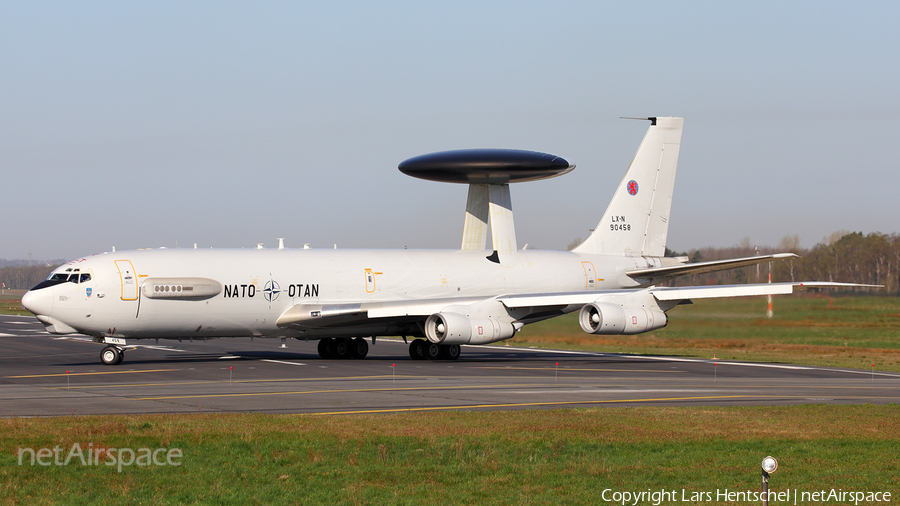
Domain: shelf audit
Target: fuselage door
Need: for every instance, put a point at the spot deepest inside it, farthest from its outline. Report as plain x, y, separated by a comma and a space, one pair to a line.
370, 281
590, 279
128, 279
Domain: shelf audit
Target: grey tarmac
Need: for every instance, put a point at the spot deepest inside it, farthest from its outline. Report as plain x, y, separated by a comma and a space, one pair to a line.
46, 375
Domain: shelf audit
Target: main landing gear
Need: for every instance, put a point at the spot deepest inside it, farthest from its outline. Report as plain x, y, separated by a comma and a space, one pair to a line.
421, 349
342, 348
112, 355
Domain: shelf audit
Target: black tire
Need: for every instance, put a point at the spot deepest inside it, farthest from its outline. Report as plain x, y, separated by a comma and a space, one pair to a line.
359, 348
121, 357
341, 348
111, 355
420, 349
415, 352
451, 352
433, 351
324, 348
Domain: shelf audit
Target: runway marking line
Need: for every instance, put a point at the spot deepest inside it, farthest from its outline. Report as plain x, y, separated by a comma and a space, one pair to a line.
281, 362
86, 373
341, 391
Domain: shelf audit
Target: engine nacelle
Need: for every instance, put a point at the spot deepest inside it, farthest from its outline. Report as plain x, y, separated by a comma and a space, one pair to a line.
606, 318
454, 328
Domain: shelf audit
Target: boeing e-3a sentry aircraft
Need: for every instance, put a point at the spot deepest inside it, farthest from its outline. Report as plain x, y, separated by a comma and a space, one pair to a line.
469, 296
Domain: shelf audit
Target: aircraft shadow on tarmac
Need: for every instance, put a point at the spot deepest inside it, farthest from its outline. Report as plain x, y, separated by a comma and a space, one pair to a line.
473, 356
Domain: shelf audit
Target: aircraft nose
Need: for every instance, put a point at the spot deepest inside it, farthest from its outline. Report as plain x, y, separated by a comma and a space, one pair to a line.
39, 302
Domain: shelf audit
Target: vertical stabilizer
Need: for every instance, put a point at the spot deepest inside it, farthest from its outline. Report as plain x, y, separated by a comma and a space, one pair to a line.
637, 220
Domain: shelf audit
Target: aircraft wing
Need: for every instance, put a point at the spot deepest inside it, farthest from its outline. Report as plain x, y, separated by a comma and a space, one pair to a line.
664, 293
707, 292
657, 275
532, 307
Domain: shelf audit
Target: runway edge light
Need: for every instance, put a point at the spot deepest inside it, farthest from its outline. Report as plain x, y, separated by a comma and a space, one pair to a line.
769, 465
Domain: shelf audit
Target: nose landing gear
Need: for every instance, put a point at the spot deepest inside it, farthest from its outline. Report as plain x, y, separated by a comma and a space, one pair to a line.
112, 355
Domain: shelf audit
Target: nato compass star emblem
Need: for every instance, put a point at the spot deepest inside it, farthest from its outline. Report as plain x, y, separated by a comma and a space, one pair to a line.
632, 187
271, 290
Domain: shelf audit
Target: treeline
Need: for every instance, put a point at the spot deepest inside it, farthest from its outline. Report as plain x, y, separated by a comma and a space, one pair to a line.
844, 257
23, 278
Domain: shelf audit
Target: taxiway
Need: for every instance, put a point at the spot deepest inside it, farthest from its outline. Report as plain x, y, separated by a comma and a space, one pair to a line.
46, 375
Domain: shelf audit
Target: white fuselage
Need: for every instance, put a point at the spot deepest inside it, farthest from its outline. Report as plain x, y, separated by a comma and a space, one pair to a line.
259, 285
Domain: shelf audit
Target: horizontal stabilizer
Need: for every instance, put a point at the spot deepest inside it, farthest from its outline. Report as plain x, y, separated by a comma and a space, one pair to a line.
656, 275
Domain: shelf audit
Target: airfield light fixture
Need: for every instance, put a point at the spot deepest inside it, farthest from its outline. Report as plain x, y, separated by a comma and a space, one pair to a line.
769, 465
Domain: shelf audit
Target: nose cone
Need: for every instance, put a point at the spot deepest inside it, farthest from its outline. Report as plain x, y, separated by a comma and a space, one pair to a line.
39, 302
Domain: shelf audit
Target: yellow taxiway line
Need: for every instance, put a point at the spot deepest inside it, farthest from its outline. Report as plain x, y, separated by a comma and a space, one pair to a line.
340, 391
532, 404
87, 373
216, 382
556, 403
571, 369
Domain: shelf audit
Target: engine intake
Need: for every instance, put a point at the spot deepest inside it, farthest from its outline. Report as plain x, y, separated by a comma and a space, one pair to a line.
454, 328
609, 319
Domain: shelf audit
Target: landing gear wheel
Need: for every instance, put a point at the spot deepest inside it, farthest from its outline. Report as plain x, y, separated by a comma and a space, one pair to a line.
359, 348
341, 348
111, 355
325, 348
417, 349
433, 351
450, 351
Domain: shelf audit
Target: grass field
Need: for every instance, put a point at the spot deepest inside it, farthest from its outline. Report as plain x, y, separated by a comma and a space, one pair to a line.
513, 457
11, 302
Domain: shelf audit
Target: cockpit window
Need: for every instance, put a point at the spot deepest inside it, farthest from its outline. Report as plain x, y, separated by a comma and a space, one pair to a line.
72, 277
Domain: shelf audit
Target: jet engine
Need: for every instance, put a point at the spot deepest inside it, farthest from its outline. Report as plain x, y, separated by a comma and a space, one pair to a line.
454, 328
606, 318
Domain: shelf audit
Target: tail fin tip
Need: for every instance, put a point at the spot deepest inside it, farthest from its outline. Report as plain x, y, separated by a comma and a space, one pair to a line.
636, 221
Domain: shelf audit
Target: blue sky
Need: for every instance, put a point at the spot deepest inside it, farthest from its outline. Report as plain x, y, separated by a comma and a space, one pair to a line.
229, 124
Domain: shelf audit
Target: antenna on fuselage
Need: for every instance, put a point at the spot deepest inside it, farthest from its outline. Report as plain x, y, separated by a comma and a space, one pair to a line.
488, 173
